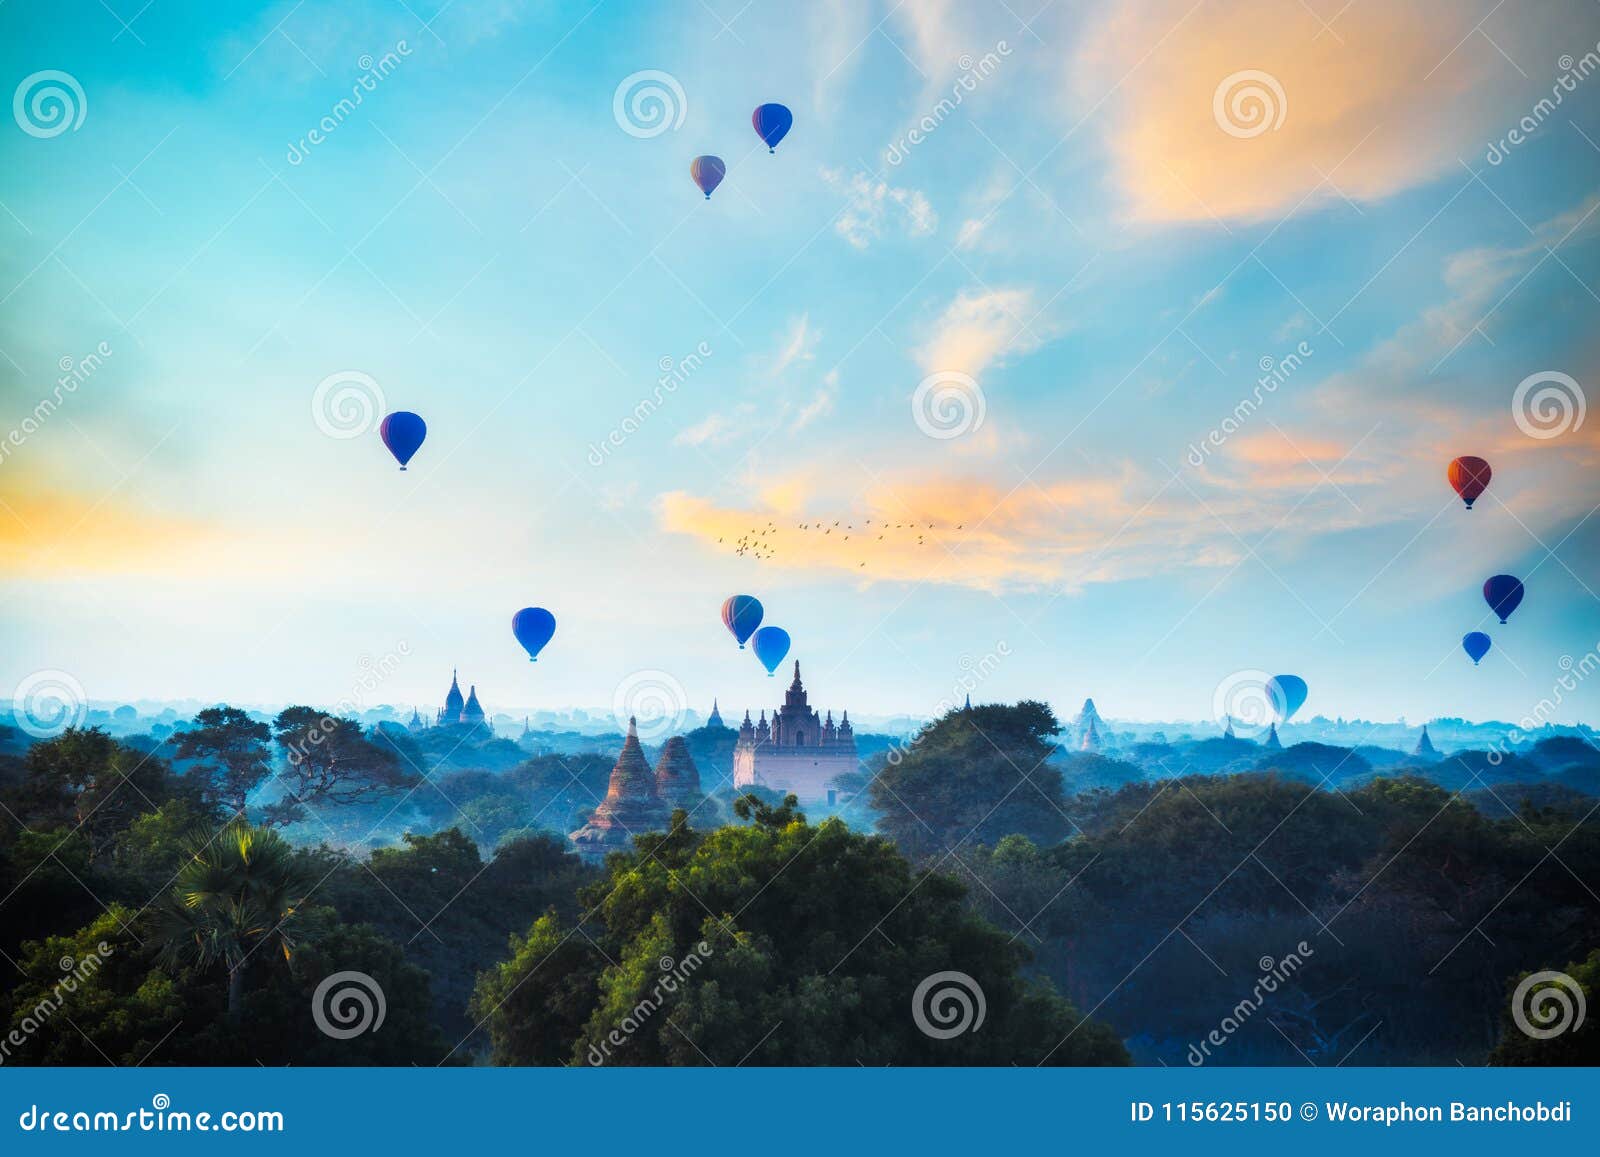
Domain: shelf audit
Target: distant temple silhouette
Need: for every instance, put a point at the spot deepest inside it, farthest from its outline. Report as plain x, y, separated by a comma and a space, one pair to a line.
798, 752
457, 712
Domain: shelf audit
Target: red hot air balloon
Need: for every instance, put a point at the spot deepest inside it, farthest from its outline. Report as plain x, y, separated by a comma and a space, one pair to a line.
1470, 477
707, 173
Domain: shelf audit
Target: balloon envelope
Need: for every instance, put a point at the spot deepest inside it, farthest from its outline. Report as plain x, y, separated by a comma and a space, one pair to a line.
1476, 645
1503, 593
770, 644
741, 614
1288, 694
1470, 477
533, 627
707, 173
403, 433
772, 123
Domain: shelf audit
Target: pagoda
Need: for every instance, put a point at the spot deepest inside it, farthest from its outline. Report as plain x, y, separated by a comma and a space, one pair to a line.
677, 778
631, 805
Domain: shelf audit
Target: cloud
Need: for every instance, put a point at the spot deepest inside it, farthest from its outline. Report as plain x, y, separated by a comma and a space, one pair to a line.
874, 207
713, 430
799, 345
47, 530
978, 330
1386, 99
976, 533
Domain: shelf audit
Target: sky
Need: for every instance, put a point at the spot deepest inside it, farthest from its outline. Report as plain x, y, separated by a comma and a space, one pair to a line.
1160, 321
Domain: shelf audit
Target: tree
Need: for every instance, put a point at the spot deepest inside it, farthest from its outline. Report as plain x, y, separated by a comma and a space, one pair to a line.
331, 760
1546, 1006
232, 750
976, 774
237, 894
771, 942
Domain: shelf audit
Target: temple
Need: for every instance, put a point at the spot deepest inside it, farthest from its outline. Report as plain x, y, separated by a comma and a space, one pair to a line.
1425, 745
456, 712
798, 752
639, 800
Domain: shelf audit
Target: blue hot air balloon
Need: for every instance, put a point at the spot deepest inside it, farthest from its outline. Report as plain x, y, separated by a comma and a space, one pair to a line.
707, 173
770, 644
772, 123
1503, 594
1288, 695
533, 627
1476, 645
741, 614
403, 433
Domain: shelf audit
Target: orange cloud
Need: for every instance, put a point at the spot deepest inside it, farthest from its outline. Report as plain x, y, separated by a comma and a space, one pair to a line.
48, 531
1384, 98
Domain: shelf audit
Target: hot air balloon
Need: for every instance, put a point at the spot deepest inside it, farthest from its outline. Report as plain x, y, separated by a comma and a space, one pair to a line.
741, 614
1288, 694
1470, 477
770, 644
707, 173
403, 433
533, 627
1503, 593
1476, 645
772, 123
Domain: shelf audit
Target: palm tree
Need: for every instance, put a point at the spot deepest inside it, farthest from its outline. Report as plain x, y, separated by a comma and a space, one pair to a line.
238, 892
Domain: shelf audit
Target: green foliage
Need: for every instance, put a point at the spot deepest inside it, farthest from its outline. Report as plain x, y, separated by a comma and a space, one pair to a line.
769, 942
973, 776
331, 761
1546, 1005
231, 752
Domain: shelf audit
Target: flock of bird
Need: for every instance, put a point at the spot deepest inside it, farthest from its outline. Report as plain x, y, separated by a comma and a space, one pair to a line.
760, 542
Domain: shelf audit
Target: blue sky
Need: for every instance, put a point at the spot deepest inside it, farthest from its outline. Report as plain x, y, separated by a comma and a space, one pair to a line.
1091, 239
